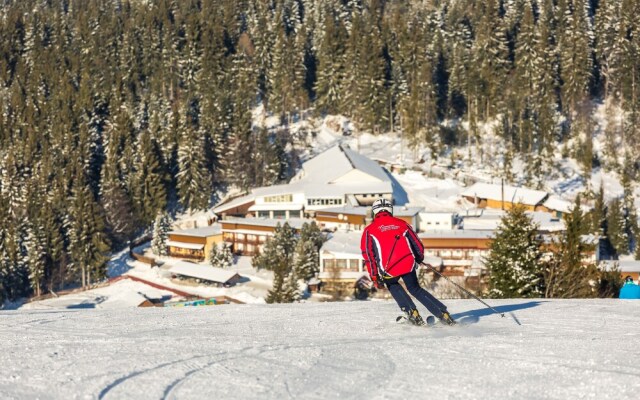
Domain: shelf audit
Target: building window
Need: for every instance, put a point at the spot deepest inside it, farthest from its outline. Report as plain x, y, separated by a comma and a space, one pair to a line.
294, 214
263, 214
329, 264
279, 214
325, 202
280, 198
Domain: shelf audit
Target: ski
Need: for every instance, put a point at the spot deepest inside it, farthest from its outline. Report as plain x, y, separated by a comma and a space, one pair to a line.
402, 319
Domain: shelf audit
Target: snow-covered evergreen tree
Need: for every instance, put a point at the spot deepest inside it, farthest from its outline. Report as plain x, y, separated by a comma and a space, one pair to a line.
114, 197
194, 181
599, 213
491, 57
616, 227
566, 275
307, 260
88, 243
576, 54
330, 72
608, 51
221, 256
278, 256
514, 262
161, 228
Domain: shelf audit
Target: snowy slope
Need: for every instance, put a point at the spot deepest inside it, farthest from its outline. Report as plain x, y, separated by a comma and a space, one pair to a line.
561, 350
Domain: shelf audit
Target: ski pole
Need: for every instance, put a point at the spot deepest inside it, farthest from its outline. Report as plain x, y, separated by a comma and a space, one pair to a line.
461, 288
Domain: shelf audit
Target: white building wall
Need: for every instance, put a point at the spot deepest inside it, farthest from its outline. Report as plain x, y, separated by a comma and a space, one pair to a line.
436, 221
353, 259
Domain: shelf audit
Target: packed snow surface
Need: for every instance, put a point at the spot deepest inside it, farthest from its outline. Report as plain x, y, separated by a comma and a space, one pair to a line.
542, 349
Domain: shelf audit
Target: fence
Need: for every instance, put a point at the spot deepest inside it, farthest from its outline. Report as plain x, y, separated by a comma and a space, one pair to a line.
140, 257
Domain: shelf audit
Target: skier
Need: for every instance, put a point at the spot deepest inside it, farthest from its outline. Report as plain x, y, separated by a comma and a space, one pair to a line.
392, 251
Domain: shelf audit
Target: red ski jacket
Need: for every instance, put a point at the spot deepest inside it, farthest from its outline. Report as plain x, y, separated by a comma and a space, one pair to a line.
390, 247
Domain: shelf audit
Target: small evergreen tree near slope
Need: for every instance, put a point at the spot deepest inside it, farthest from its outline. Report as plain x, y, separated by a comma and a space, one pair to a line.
598, 214
278, 256
514, 263
307, 259
310, 232
221, 257
616, 232
566, 275
161, 228
610, 283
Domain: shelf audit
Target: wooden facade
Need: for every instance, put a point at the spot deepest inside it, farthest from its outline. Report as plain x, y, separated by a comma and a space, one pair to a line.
248, 238
460, 255
245, 239
499, 204
180, 245
326, 219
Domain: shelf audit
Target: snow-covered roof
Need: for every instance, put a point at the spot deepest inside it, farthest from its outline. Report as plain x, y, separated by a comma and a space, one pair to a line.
438, 213
491, 221
267, 222
365, 164
276, 207
203, 232
120, 294
341, 160
199, 271
344, 243
623, 265
319, 179
457, 234
556, 203
237, 202
590, 239
398, 211
511, 194
184, 245
318, 191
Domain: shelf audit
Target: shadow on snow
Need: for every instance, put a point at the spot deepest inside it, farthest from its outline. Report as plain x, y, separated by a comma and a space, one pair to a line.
473, 316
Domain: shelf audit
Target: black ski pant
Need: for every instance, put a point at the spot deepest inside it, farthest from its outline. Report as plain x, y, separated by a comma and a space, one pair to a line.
401, 297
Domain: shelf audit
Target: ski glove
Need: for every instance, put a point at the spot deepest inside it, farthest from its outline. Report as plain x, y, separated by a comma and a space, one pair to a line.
377, 282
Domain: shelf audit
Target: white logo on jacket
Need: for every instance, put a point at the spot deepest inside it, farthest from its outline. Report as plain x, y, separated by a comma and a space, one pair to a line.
384, 228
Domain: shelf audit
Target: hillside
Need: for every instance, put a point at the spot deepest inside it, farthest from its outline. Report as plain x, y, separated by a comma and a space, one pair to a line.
560, 349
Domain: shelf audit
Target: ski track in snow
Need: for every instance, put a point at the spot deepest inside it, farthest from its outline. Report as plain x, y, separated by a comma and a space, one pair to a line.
562, 349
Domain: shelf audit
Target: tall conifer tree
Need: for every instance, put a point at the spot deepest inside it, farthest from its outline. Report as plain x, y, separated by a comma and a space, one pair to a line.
514, 263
